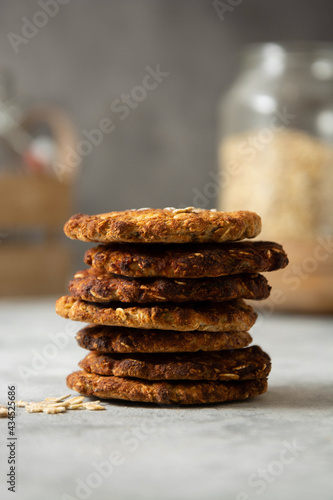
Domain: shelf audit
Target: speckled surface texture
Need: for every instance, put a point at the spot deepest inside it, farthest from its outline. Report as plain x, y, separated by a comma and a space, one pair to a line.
278, 445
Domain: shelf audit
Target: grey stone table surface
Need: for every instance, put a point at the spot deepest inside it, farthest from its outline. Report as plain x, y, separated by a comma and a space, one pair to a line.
278, 445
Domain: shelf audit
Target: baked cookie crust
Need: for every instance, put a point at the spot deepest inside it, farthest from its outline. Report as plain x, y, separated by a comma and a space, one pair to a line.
109, 339
171, 392
242, 364
97, 285
187, 261
201, 316
167, 225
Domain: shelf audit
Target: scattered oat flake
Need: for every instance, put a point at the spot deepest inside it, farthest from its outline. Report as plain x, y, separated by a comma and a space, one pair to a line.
54, 409
93, 406
21, 404
41, 404
34, 408
76, 407
64, 404
54, 405
58, 399
75, 400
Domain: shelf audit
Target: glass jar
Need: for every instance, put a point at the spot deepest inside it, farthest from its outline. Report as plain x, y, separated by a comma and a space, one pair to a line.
276, 158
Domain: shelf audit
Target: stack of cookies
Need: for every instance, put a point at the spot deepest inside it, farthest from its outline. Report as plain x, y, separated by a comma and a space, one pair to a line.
164, 298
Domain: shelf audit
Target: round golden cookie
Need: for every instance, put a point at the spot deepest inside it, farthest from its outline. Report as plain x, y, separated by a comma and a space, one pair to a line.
187, 261
97, 285
165, 392
167, 225
201, 316
111, 339
242, 364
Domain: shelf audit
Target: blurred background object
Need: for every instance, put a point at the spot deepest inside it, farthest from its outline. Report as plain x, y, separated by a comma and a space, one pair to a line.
276, 158
36, 195
141, 80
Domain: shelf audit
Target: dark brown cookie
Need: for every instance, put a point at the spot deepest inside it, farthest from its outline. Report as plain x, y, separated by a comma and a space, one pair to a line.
201, 316
146, 391
243, 364
187, 261
110, 339
94, 285
168, 225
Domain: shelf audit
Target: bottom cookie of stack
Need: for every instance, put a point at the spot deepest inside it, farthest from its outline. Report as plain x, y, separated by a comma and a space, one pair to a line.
178, 378
145, 391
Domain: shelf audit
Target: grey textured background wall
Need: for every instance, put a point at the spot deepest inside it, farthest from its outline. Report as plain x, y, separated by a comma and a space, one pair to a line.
91, 52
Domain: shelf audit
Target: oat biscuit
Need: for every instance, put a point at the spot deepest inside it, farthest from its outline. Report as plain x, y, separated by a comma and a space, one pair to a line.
95, 285
146, 391
110, 339
242, 364
201, 316
168, 225
187, 261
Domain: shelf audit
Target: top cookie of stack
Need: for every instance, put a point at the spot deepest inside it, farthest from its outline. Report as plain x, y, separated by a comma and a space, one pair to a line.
180, 276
